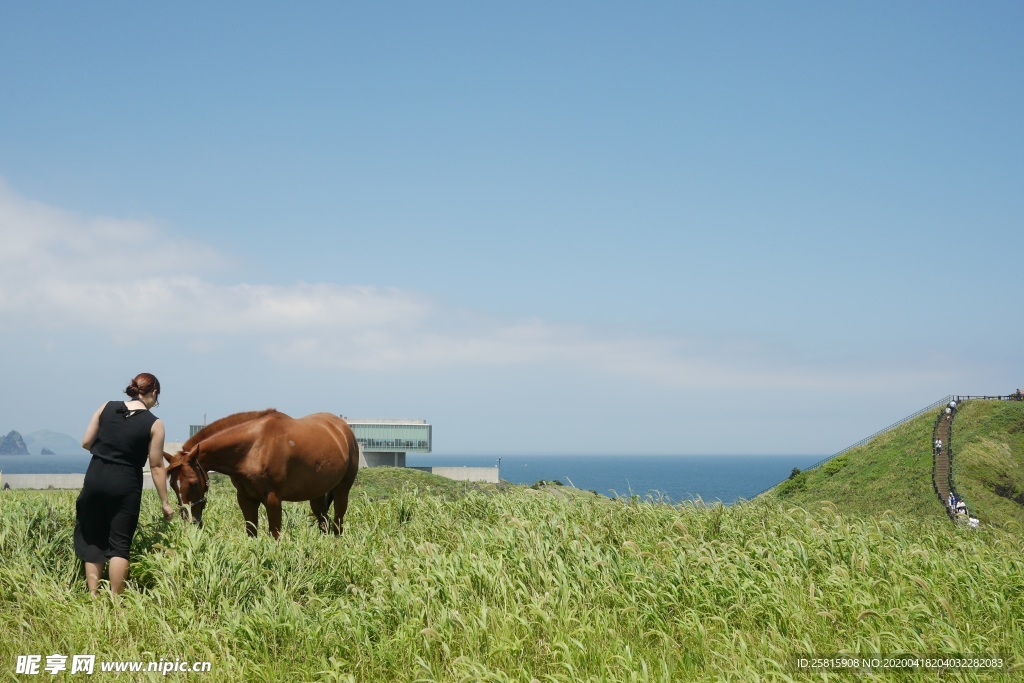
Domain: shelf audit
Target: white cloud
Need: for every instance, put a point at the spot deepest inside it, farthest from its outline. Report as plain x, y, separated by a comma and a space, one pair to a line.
61, 271
40, 241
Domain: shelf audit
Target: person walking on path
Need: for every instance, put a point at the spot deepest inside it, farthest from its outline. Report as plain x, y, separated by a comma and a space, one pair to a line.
122, 436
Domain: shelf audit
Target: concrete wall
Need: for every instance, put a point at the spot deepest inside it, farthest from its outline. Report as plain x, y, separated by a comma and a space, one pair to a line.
56, 481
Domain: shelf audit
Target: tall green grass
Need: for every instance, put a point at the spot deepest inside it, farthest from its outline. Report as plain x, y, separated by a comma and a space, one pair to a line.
514, 585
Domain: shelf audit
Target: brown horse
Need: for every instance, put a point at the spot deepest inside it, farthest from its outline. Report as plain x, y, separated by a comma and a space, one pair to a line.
270, 458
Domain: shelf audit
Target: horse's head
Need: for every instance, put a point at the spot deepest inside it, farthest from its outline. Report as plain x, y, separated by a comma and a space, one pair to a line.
190, 483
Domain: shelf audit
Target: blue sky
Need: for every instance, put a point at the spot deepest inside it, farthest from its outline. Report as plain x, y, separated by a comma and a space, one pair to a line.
565, 227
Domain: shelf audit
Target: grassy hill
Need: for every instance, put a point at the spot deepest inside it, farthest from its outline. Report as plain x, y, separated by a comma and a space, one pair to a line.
988, 460
893, 471
446, 581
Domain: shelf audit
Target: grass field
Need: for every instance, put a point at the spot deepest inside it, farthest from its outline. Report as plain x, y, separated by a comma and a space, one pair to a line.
480, 583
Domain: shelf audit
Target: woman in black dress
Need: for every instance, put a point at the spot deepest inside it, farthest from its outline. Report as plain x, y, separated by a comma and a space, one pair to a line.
121, 436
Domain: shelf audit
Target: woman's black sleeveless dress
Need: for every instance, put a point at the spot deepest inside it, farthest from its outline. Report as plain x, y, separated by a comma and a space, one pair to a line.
108, 506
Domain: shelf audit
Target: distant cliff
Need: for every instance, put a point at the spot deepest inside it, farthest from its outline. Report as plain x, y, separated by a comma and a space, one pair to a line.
13, 444
43, 442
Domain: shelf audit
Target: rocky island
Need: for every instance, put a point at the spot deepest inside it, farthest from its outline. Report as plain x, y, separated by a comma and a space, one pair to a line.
13, 444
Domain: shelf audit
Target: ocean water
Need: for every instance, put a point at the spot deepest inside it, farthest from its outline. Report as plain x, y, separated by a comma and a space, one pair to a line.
725, 478
45, 464
677, 478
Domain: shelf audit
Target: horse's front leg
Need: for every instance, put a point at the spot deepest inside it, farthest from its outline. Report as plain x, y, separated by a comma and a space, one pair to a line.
273, 504
250, 511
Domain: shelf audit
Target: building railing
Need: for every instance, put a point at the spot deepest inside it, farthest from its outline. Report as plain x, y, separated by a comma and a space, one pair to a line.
394, 444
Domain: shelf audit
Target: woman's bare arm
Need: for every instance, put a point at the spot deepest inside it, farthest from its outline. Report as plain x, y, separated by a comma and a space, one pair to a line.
93, 430
156, 466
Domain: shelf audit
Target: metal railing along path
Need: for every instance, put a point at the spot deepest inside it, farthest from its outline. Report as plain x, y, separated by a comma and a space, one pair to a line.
1011, 397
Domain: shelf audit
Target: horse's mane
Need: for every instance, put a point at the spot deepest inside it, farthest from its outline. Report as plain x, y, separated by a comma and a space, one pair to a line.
224, 423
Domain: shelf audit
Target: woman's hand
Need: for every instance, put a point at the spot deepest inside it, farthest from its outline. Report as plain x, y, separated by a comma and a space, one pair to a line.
168, 511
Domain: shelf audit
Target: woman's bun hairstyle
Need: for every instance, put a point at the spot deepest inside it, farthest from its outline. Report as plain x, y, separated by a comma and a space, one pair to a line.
142, 384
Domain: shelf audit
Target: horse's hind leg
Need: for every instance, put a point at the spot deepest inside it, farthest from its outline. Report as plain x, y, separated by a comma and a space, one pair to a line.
320, 506
340, 493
